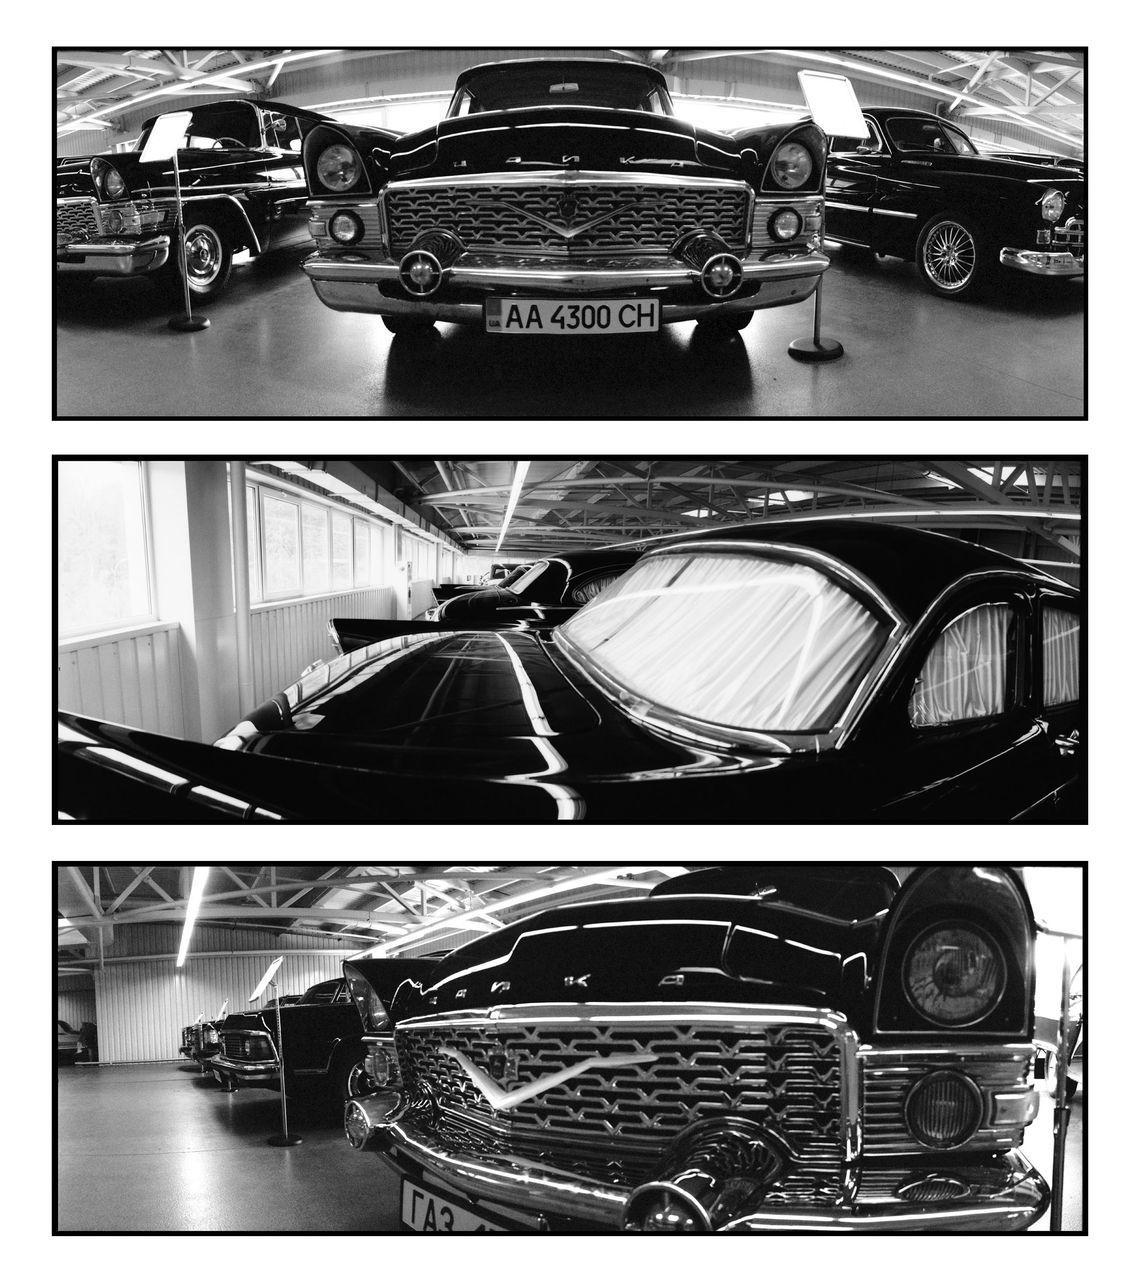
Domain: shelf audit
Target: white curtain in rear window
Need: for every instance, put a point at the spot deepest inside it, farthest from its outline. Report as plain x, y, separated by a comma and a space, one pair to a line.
1061, 639
964, 676
732, 639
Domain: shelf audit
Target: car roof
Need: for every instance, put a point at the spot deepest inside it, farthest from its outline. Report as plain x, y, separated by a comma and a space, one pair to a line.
284, 107
909, 112
911, 567
466, 75
595, 557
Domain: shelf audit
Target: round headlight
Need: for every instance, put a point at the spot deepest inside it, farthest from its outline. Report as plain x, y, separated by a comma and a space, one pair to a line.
338, 167
345, 227
114, 185
1052, 204
944, 1109
791, 165
954, 974
785, 224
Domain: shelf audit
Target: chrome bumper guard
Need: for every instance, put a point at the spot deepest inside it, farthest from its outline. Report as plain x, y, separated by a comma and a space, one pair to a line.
109, 256
348, 281
1043, 263
997, 1192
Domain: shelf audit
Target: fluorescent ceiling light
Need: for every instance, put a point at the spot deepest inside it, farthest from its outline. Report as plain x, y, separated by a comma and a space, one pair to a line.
521, 468
201, 875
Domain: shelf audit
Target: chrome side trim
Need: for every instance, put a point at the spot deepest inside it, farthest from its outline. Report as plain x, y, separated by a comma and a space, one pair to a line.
894, 213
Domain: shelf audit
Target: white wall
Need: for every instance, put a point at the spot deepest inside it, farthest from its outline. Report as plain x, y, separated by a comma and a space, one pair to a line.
131, 677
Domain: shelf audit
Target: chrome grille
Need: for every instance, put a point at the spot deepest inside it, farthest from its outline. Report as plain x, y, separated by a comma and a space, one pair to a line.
888, 1078
788, 1076
233, 1044
75, 220
643, 217
1070, 235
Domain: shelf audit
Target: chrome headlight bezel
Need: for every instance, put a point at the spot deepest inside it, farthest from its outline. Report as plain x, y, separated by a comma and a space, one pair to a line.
1052, 205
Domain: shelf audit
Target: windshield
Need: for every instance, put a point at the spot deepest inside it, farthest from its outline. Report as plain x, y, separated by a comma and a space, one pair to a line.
732, 639
625, 87
216, 128
909, 133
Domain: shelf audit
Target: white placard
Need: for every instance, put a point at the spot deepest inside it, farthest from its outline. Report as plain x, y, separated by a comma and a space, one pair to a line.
166, 136
833, 104
265, 981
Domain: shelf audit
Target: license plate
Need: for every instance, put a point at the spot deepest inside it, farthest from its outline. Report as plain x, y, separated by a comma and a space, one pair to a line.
546, 316
424, 1211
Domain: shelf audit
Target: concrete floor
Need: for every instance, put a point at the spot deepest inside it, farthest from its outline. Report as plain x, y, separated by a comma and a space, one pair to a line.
273, 350
162, 1148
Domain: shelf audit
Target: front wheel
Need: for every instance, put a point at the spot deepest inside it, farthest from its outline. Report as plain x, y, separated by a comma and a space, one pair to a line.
951, 256
209, 256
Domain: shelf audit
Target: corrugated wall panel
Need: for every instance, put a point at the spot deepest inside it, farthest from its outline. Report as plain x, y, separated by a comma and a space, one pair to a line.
75, 1000
164, 939
287, 637
133, 677
143, 1005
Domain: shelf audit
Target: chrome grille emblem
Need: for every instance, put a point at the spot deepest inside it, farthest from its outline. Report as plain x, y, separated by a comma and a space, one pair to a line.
504, 1099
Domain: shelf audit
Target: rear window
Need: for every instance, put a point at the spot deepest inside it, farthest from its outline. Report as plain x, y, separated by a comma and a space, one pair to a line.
732, 639
604, 84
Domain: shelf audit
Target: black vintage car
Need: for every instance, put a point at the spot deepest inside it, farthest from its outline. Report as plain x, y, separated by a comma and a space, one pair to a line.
813, 671
243, 187
751, 1049
565, 197
321, 1035
918, 189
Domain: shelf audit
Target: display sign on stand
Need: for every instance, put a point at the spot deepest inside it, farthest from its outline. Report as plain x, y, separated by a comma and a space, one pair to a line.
166, 136
284, 1138
834, 107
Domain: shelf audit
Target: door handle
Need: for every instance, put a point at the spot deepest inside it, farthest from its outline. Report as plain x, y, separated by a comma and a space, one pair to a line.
1067, 744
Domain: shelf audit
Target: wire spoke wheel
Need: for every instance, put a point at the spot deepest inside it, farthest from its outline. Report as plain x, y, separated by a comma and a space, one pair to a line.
949, 256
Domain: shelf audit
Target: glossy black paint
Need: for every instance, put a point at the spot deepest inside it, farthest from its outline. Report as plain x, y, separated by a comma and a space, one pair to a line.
252, 190
803, 935
321, 1034
882, 198
510, 727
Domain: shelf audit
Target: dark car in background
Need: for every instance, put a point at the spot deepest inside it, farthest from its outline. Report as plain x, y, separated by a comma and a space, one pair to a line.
320, 1040
68, 1044
564, 197
243, 188
917, 188
822, 670
752, 1049
200, 1042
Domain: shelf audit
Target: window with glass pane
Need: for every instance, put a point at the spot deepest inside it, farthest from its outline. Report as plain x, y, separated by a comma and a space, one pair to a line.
732, 639
376, 535
969, 671
102, 576
1061, 656
251, 541
362, 544
341, 551
315, 548
282, 546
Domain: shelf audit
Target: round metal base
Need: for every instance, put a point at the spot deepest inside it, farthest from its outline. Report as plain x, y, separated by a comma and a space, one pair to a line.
285, 1140
188, 324
810, 350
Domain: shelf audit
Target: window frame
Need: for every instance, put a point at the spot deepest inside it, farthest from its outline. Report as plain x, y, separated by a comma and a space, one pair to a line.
1049, 599
272, 597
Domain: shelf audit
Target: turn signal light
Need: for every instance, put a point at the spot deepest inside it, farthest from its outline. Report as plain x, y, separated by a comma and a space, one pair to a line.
944, 1109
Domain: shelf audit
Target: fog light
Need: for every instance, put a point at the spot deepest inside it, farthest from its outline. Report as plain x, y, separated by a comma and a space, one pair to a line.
944, 1109
346, 227
935, 1187
357, 1126
785, 224
113, 221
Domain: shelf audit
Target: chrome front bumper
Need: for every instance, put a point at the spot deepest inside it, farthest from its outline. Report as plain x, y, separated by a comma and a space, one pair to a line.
368, 281
236, 1072
999, 1192
1043, 263
109, 256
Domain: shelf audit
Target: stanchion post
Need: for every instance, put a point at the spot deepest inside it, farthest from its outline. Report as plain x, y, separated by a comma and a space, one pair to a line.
284, 1138
817, 348
1061, 1097
189, 323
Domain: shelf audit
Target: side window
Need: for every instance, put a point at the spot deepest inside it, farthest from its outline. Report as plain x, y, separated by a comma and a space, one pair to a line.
586, 591
970, 670
1060, 656
282, 131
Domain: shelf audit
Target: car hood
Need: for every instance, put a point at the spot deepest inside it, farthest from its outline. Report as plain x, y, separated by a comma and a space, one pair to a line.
73, 178
715, 949
568, 138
